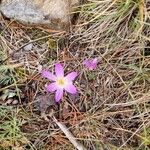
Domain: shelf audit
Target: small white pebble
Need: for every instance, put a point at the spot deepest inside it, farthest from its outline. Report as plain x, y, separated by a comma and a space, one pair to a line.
9, 101
39, 67
15, 102
28, 47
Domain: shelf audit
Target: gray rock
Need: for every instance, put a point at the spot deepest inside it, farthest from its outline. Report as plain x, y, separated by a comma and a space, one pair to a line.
52, 13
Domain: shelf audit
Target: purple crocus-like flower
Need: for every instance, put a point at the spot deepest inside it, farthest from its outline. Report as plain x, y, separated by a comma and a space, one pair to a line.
91, 64
61, 82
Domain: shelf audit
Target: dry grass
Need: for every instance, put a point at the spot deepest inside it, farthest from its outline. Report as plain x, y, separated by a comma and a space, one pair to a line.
112, 108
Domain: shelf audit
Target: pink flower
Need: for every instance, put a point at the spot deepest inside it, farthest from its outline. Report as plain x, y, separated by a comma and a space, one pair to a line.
91, 64
61, 82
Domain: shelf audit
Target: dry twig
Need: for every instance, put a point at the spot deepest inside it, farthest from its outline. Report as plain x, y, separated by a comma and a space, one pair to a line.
69, 135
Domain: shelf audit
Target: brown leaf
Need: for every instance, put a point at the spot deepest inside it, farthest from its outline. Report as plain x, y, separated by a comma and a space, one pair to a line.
45, 101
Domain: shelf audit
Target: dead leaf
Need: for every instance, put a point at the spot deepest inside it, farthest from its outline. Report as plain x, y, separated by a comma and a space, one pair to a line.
45, 101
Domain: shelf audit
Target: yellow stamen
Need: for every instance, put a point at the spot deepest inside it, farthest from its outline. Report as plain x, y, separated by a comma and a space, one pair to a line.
61, 82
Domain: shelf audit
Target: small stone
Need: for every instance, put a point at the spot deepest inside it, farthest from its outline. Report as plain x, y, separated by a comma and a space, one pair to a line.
28, 47
15, 102
39, 67
9, 101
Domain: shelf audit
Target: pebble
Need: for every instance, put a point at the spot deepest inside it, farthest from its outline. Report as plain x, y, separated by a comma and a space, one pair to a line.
15, 102
9, 101
28, 47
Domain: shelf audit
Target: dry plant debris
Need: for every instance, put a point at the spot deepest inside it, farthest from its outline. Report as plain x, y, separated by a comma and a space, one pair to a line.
112, 107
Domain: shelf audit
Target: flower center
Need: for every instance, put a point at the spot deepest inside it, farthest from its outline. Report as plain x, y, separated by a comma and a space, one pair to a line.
61, 82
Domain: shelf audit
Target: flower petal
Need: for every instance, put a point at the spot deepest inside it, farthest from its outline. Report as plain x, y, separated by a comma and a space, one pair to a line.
48, 75
59, 70
51, 87
58, 95
86, 62
91, 64
70, 88
71, 76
